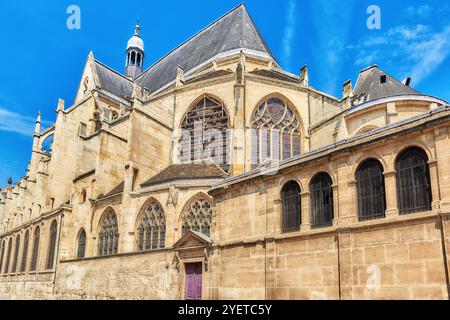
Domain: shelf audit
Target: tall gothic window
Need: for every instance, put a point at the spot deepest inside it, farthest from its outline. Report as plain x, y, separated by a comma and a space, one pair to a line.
413, 181
16, 255
2, 256
275, 132
8, 256
291, 212
371, 194
108, 238
152, 228
23, 265
35, 255
198, 217
204, 133
321, 201
81, 253
52, 245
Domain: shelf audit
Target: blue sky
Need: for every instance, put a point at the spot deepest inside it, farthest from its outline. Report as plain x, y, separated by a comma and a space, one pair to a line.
41, 60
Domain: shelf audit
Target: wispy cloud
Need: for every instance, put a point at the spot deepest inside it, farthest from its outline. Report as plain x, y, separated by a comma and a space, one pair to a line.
331, 21
419, 48
423, 11
289, 34
14, 122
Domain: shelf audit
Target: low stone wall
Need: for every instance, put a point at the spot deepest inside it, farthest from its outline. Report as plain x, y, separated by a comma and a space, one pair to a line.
133, 276
27, 287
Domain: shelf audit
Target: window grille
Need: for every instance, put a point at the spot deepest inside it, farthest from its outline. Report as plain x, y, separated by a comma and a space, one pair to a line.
371, 191
413, 182
16, 255
109, 235
25, 252
322, 201
204, 133
291, 207
275, 132
152, 228
81, 253
52, 245
34, 257
198, 218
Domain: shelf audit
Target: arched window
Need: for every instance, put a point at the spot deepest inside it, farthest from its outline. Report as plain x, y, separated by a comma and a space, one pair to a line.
275, 132
108, 238
152, 228
371, 194
138, 60
198, 217
1, 256
23, 266
291, 212
321, 201
8, 256
204, 133
16, 255
133, 58
35, 255
81, 253
52, 245
413, 181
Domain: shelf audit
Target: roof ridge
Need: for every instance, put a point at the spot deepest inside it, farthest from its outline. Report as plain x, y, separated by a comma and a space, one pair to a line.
114, 71
266, 46
193, 37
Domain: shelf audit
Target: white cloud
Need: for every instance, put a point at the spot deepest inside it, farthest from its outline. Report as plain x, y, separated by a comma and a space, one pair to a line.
423, 11
332, 23
410, 33
289, 34
14, 122
415, 51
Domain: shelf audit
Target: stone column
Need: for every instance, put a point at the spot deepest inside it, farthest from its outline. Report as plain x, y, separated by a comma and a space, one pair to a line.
353, 205
434, 181
306, 211
391, 194
336, 212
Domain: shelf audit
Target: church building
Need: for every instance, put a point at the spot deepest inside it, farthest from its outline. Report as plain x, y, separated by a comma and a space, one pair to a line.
216, 174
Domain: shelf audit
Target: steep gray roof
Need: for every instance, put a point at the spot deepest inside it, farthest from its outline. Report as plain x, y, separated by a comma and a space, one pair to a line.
235, 30
369, 86
113, 81
186, 171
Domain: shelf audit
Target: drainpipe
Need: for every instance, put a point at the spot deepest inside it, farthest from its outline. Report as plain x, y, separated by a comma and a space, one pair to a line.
444, 254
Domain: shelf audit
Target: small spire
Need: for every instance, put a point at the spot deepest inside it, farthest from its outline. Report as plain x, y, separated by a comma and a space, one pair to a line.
137, 28
37, 128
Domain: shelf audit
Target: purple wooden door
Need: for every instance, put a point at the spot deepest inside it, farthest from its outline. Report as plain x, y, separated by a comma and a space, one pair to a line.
194, 281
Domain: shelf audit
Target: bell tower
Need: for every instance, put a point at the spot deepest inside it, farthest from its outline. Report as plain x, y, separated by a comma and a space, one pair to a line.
135, 54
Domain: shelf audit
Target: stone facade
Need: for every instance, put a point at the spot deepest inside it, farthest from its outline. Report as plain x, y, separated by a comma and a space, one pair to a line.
117, 135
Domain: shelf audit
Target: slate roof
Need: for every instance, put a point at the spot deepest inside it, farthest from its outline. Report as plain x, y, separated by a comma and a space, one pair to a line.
188, 171
275, 75
113, 81
117, 190
233, 31
369, 86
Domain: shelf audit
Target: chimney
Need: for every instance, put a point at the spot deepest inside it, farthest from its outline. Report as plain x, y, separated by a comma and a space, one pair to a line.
347, 89
180, 77
304, 76
407, 81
